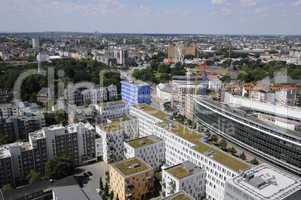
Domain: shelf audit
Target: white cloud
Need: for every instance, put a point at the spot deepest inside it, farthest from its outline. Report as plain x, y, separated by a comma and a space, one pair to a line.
218, 2
297, 3
262, 10
248, 3
226, 11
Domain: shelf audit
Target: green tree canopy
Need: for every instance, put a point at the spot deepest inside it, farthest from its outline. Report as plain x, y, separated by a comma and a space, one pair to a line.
59, 167
33, 176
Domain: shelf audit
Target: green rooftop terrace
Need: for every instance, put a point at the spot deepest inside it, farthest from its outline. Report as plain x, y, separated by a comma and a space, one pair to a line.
180, 197
154, 112
222, 157
196, 138
140, 142
185, 133
131, 166
114, 125
178, 172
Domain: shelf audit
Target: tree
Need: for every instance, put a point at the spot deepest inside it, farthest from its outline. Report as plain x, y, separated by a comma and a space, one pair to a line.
107, 177
223, 144
106, 190
243, 156
33, 176
61, 117
214, 138
101, 184
164, 68
254, 161
59, 167
162, 77
226, 79
167, 106
178, 70
7, 188
233, 150
4, 139
111, 195
58, 117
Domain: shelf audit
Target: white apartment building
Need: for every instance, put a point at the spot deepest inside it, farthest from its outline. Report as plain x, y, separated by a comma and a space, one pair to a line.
295, 56
113, 135
98, 146
8, 110
75, 140
111, 110
264, 182
164, 92
112, 92
99, 94
94, 96
151, 149
182, 145
186, 177
280, 110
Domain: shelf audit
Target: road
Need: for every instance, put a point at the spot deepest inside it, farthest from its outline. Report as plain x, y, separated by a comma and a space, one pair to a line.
98, 170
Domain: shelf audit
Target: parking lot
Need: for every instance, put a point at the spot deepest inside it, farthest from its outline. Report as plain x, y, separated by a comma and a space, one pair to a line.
91, 183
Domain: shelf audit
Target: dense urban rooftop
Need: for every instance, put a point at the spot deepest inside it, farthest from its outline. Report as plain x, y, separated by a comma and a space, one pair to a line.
183, 170
114, 125
131, 166
196, 139
267, 182
145, 141
154, 112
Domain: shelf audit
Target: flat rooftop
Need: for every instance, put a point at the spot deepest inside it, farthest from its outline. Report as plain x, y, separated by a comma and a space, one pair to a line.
196, 138
135, 82
114, 125
183, 170
152, 111
221, 157
5, 149
179, 196
214, 153
267, 182
131, 166
186, 133
144, 141
37, 134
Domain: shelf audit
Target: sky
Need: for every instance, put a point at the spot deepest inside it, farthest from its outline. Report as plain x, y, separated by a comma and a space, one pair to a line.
152, 16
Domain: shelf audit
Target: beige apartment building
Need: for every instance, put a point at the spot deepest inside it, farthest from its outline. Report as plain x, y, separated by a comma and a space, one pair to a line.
131, 179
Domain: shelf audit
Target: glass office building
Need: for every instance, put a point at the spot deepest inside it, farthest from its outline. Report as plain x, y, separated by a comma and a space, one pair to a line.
275, 144
135, 93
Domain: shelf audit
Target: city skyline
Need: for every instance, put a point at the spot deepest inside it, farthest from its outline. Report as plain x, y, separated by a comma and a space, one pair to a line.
145, 16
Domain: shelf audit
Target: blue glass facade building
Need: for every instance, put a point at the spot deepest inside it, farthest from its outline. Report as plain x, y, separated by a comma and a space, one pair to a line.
135, 93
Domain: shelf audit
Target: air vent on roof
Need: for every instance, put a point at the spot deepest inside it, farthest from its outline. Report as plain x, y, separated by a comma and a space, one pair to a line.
135, 165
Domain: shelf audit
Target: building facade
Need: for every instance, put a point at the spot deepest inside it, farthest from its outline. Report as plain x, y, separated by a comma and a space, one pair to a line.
135, 93
131, 179
18, 127
151, 149
264, 182
278, 145
113, 135
94, 96
111, 110
18, 159
185, 177
182, 145
76, 141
